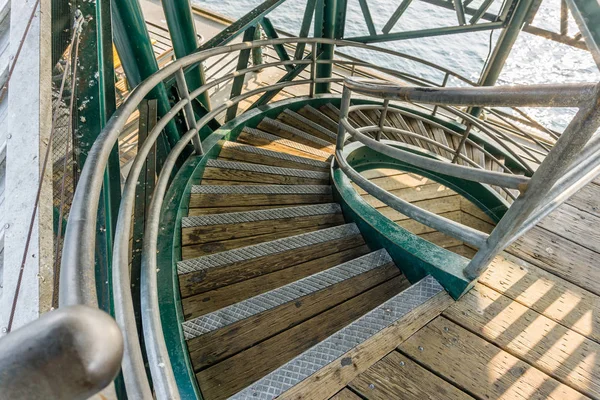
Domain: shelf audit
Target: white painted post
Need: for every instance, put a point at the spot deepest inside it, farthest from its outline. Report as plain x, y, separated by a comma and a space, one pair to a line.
27, 130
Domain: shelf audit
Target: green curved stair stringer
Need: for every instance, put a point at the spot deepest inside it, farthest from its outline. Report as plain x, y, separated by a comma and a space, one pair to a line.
415, 256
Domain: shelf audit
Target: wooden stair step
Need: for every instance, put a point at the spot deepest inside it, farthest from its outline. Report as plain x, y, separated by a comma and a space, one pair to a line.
331, 111
325, 358
269, 141
318, 117
300, 122
257, 155
288, 293
246, 195
237, 372
265, 174
213, 300
281, 129
236, 225
221, 269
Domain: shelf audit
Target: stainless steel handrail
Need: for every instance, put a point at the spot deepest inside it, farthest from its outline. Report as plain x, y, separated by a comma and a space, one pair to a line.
77, 271
568, 166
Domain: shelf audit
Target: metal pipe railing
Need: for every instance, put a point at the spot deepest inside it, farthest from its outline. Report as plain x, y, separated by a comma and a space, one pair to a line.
570, 164
77, 272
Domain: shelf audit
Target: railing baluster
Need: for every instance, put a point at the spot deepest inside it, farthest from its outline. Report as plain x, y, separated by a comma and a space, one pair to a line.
344, 107
190, 117
444, 83
382, 117
461, 145
313, 70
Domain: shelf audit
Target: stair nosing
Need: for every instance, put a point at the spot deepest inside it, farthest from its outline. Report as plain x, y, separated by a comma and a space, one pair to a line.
310, 123
284, 294
276, 154
320, 114
296, 131
260, 215
246, 253
261, 189
267, 169
335, 346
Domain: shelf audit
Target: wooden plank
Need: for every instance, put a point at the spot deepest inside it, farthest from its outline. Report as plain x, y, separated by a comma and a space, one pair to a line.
560, 256
202, 249
304, 127
545, 293
235, 154
470, 208
425, 192
289, 134
345, 394
476, 223
587, 199
233, 200
397, 181
479, 367
462, 250
398, 377
215, 346
318, 117
575, 225
205, 280
418, 228
441, 239
440, 136
228, 183
213, 300
217, 233
552, 348
338, 374
243, 369
222, 210
257, 177
381, 172
450, 203
276, 145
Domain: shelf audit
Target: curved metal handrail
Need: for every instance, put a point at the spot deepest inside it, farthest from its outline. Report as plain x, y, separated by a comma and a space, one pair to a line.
77, 266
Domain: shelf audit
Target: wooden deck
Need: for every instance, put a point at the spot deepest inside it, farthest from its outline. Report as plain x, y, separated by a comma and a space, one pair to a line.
530, 328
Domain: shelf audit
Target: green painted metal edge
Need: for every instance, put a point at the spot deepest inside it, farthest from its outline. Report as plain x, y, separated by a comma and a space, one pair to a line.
415, 256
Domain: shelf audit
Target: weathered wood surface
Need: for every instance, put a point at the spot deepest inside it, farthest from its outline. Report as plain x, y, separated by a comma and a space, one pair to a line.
345, 394
338, 374
479, 367
234, 175
549, 346
237, 372
398, 377
253, 200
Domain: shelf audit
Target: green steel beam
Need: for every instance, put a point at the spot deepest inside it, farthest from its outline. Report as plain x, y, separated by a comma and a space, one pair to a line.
460, 12
183, 35
468, 10
340, 21
305, 27
587, 16
257, 58
238, 81
279, 48
480, 11
239, 26
367, 14
137, 56
427, 32
325, 29
396, 16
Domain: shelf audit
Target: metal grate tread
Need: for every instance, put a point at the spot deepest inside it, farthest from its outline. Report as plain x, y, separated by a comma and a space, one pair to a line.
310, 123
283, 126
261, 189
275, 154
260, 215
284, 294
338, 344
267, 169
286, 142
267, 248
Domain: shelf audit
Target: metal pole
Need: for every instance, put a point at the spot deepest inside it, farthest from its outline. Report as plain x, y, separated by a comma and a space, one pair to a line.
382, 117
313, 70
257, 58
344, 107
327, 50
461, 145
556, 164
189, 110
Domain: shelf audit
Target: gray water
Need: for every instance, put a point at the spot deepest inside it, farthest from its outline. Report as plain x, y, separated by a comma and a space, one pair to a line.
532, 60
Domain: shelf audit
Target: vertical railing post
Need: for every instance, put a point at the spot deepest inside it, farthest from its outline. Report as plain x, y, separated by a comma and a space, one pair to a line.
555, 165
444, 83
344, 107
313, 70
461, 145
382, 117
190, 117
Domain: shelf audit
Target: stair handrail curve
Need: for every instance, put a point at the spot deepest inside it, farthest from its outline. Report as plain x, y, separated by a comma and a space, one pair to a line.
571, 163
77, 280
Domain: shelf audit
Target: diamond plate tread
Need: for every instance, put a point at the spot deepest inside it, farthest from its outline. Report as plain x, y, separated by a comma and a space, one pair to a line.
319, 114
283, 126
260, 215
310, 123
284, 294
261, 189
286, 142
275, 154
267, 248
267, 169
338, 344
